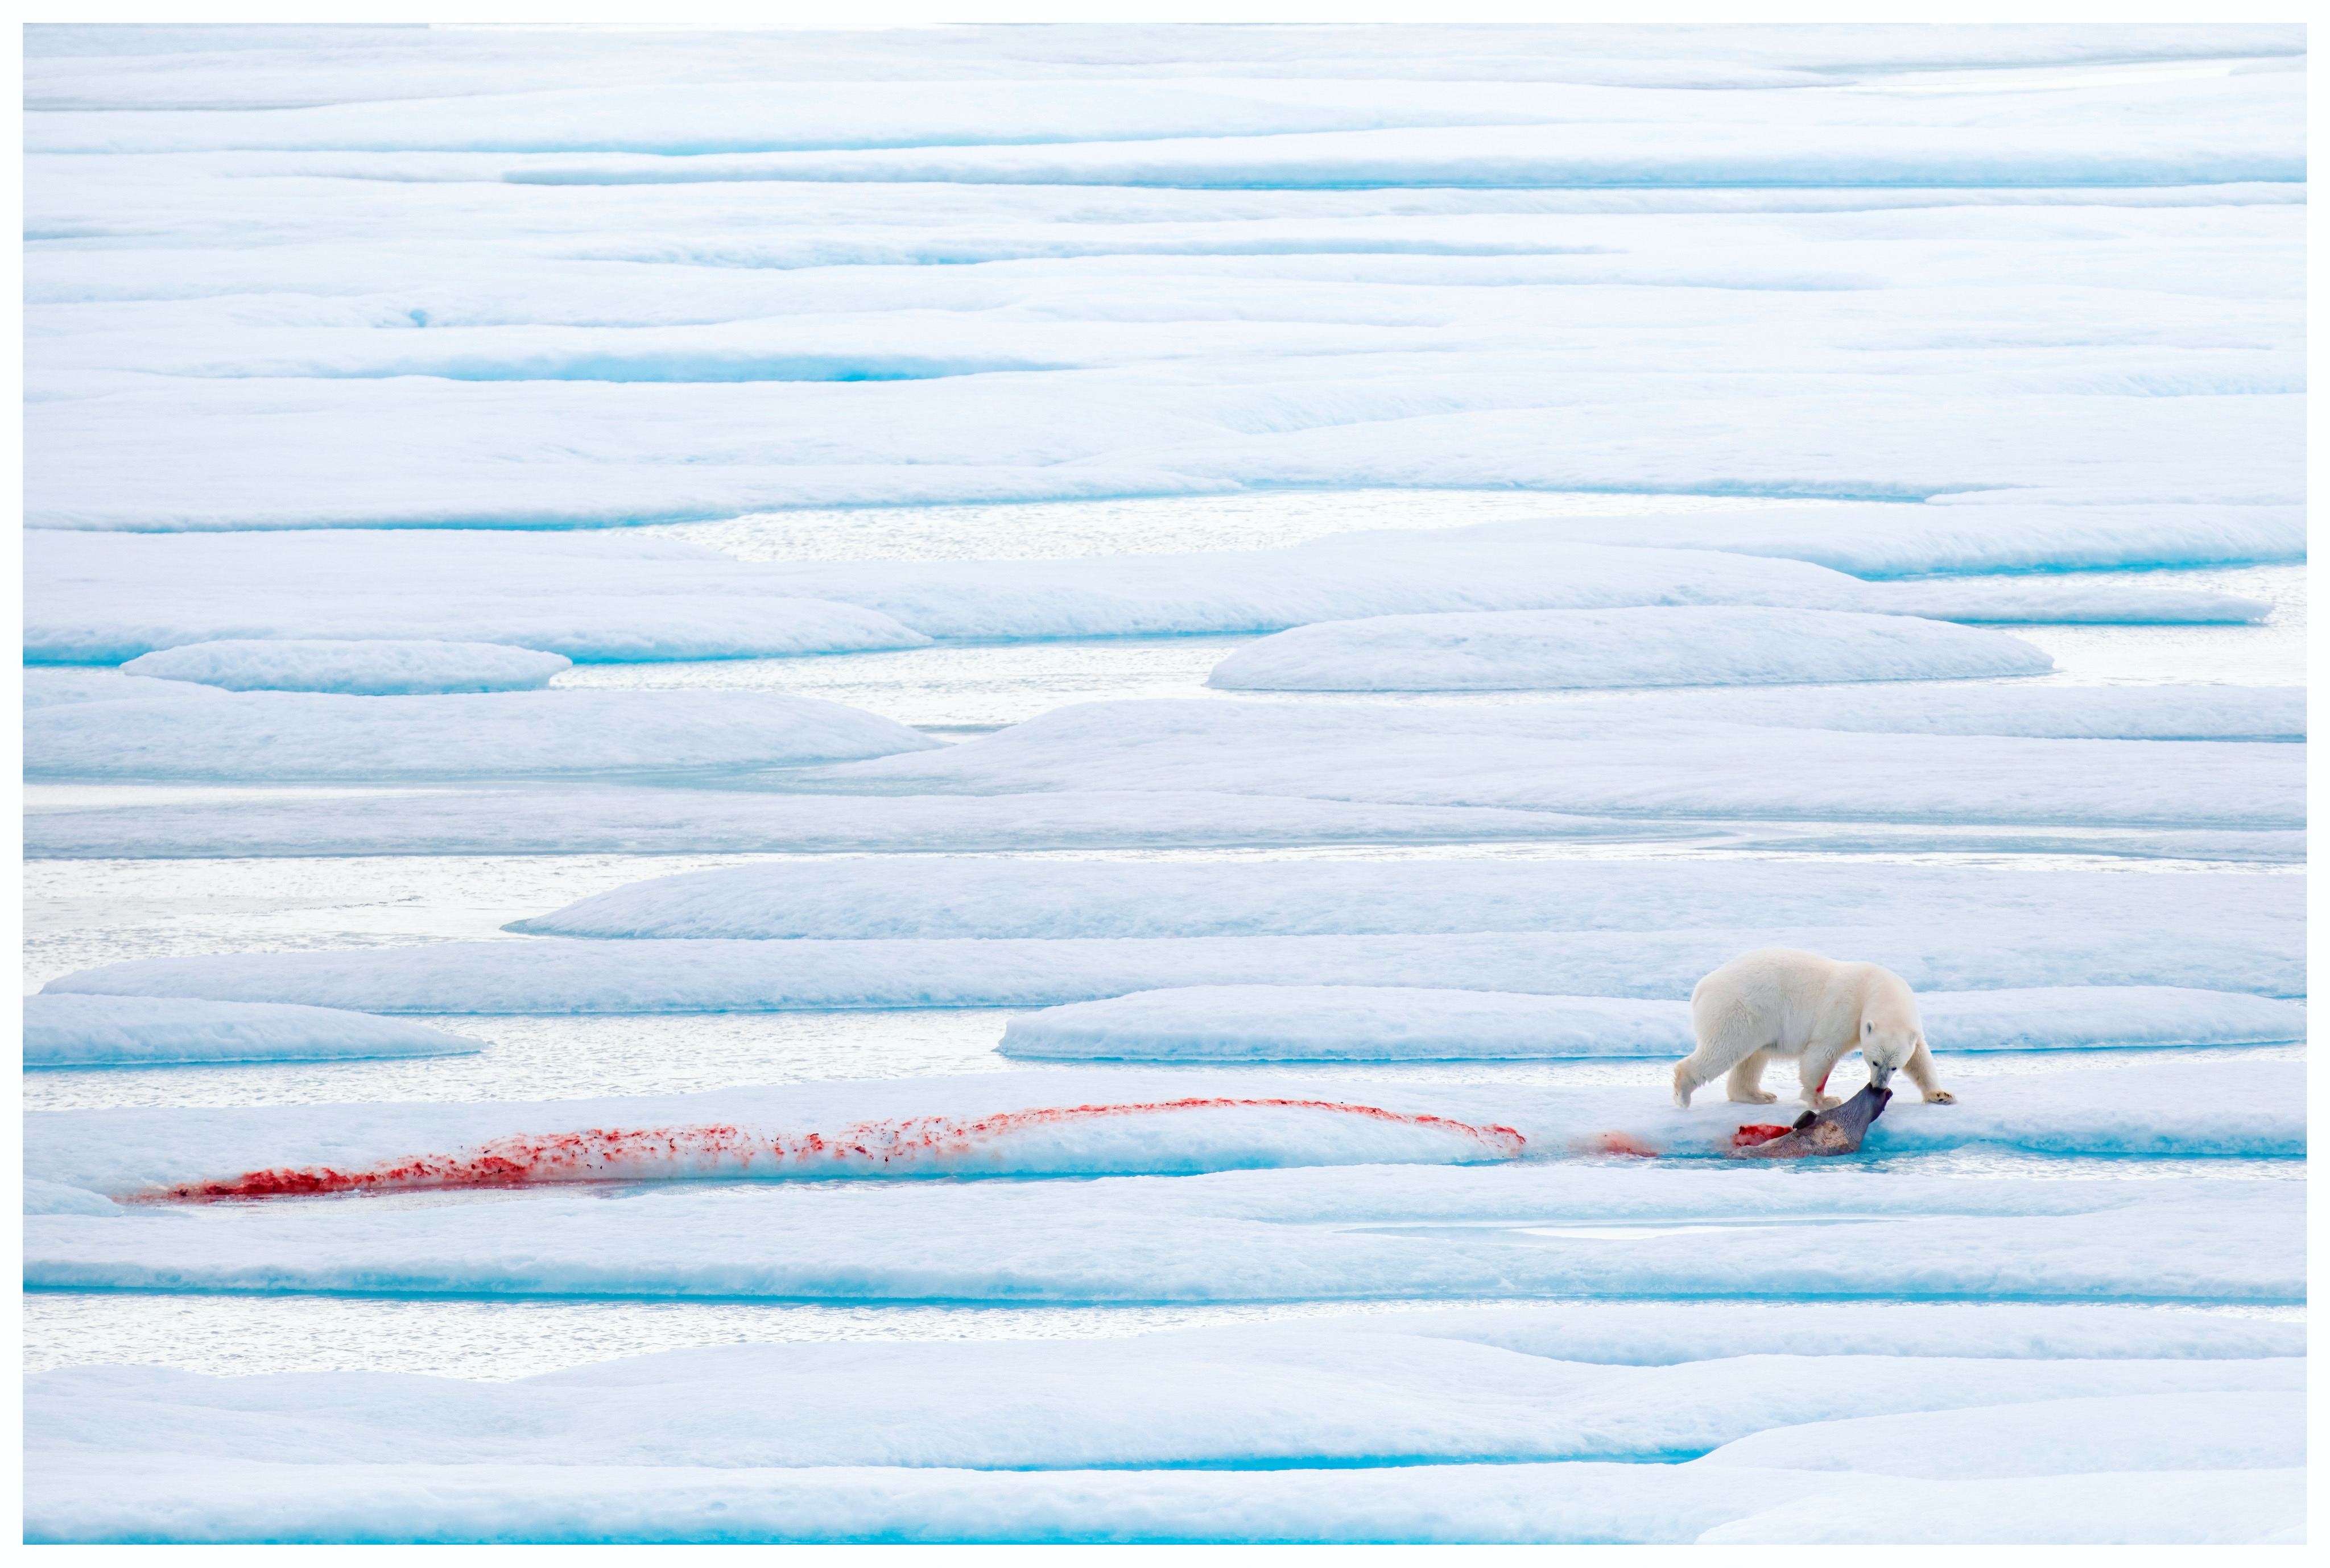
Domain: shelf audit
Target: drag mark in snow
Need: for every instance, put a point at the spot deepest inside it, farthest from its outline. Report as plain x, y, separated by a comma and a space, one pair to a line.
617, 1153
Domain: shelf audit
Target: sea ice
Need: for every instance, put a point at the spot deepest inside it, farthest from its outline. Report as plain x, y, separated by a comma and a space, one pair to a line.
614, 819
1972, 536
374, 669
48, 687
1357, 576
307, 735
2061, 713
63, 1031
1103, 1122
1595, 758
960, 896
1358, 1024
2260, 951
1618, 1227
588, 597
1668, 647
80, 1497
1250, 1399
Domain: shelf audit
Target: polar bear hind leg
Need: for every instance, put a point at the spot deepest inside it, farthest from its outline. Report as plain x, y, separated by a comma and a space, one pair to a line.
1727, 1037
1745, 1084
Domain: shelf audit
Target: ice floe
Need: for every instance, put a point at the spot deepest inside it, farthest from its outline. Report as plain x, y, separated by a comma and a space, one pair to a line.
1248, 1399
1353, 1023
961, 896
1112, 1122
2001, 535
63, 1031
374, 668
1356, 576
293, 735
1314, 1227
587, 597
1668, 647
1598, 758
2061, 713
47, 687
614, 819
2263, 953
79, 1497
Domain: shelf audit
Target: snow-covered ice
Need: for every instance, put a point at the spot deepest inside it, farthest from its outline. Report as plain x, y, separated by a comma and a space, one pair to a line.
2263, 955
1979, 534
586, 596
1099, 1121
903, 342
1592, 759
375, 668
63, 1031
289, 735
955, 896
1353, 576
223, 1499
1671, 647
1358, 1023
2061, 713
664, 821
1248, 1398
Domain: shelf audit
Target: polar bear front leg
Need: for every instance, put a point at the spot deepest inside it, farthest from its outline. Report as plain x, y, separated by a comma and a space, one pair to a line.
1817, 1062
1745, 1084
1920, 1069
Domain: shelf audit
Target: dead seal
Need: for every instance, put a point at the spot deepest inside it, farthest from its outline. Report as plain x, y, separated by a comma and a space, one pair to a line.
1835, 1131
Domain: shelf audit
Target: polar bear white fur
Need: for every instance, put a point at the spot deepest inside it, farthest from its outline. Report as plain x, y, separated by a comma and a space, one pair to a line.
1781, 1002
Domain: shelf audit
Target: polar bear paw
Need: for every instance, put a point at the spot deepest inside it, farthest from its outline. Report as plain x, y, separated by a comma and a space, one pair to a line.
1824, 1102
1940, 1097
1755, 1097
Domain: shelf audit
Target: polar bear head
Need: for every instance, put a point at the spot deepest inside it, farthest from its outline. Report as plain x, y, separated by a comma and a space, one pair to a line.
1891, 1029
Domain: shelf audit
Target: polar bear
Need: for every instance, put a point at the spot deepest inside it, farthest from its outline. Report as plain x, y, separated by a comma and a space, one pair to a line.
1781, 1002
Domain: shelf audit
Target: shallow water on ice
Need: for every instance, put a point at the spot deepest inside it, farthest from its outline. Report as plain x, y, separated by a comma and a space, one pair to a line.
498, 1341
967, 688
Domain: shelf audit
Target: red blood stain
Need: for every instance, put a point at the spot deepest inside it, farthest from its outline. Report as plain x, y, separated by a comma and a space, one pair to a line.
617, 1153
1759, 1132
1624, 1143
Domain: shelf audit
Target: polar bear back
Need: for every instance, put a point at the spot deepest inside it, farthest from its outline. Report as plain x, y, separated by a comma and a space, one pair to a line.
1789, 1000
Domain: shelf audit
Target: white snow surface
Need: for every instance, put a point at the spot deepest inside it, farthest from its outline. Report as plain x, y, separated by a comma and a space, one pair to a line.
335, 333
959, 896
374, 668
1597, 757
1358, 1024
589, 596
48, 687
1246, 1397
1357, 576
1318, 1220
616, 819
2061, 713
63, 1031
1669, 646
1965, 534
1164, 264
206, 1498
1013, 1125
2260, 951
275, 736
